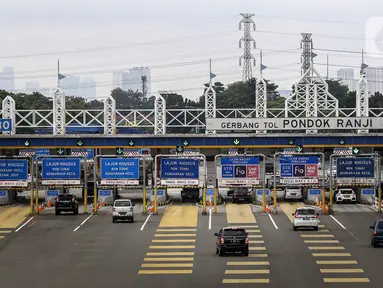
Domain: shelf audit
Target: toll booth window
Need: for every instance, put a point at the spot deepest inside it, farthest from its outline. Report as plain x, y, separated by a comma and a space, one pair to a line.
234, 232
122, 204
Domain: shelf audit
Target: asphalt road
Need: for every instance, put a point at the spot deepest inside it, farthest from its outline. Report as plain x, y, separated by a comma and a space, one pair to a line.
177, 248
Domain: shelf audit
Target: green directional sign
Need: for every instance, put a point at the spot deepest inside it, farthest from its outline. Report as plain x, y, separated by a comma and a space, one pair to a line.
80, 143
119, 151
180, 149
299, 148
60, 151
341, 142
27, 143
236, 141
355, 150
131, 143
291, 142
186, 143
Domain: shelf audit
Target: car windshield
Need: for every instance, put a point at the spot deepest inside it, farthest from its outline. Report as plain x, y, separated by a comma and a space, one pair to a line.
380, 225
122, 204
234, 232
306, 212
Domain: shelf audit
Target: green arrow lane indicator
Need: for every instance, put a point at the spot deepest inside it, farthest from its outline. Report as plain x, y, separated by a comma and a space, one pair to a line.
236, 141
60, 151
299, 148
291, 142
131, 143
341, 142
27, 143
186, 143
119, 150
80, 143
355, 150
179, 149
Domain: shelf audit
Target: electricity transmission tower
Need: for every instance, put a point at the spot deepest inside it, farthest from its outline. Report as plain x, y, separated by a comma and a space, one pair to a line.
247, 39
144, 86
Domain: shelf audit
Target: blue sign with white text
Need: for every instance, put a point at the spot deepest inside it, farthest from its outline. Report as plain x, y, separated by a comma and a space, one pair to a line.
239, 160
5, 125
3, 193
53, 193
120, 168
59, 168
368, 191
227, 171
41, 152
347, 167
285, 159
210, 192
160, 192
13, 170
260, 191
174, 168
315, 191
105, 192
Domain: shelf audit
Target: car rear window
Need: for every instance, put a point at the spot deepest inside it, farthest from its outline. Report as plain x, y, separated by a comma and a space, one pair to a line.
67, 196
346, 191
122, 204
380, 225
306, 212
234, 232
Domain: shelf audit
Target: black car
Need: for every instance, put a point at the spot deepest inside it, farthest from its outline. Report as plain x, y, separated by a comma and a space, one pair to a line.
66, 203
191, 194
231, 239
242, 194
377, 234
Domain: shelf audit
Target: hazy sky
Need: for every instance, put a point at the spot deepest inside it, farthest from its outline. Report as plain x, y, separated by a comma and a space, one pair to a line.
176, 39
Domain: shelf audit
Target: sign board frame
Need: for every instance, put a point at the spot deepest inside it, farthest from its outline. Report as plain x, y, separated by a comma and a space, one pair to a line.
350, 163
119, 162
6, 125
174, 164
67, 180
233, 168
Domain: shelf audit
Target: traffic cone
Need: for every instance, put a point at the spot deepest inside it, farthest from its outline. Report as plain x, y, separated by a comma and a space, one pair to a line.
42, 207
49, 204
102, 204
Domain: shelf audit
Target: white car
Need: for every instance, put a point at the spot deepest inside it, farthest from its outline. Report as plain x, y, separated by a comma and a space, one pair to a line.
305, 217
123, 210
345, 195
293, 193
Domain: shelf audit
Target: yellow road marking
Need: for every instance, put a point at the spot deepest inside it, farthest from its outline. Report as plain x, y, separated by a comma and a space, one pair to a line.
257, 248
258, 255
177, 230
336, 262
180, 216
245, 281
254, 236
148, 272
253, 231
261, 271
321, 226
174, 241
1, 237
326, 248
170, 254
239, 214
289, 209
346, 280
167, 265
5, 231
173, 247
317, 236
248, 263
13, 216
341, 271
168, 259
256, 241
248, 226
331, 254
175, 235
323, 230
321, 241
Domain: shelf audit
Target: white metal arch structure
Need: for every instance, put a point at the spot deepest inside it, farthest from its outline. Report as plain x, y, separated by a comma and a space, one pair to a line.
59, 113
109, 116
9, 109
261, 101
362, 105
160, 115
210, 105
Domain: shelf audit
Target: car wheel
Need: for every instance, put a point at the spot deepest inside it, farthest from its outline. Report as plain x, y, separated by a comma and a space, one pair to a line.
75, 212
372, 242
315, 228
132, 220
246, 253
57, 212
221, 253
375, 244
295, 228
114, 220
216, 250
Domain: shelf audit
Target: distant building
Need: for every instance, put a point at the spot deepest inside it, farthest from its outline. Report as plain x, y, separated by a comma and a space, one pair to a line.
132, 79
47, 92
31, 87
374, 78
7, 80
88, 88
346, 76
117, 79
71, 85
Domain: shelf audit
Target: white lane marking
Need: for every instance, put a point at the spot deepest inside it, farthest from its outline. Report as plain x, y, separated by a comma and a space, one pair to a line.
209, 219
83, 222
272, 220
340, 224
18, 229
146, 221
367, 206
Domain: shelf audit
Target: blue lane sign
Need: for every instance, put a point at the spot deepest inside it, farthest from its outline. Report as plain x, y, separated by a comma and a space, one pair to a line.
209, 192
347, 167
160, 192
239, 160
55, 168
260, 191
13, 170
53, 193
172, 168
315, 191
5, 125
3, 193
227, 171
298, 166
105, 192
41, 152
120, 168
285, 159
368, 191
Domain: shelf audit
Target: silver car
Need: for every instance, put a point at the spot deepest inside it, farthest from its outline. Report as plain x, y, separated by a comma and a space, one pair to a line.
305, 217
